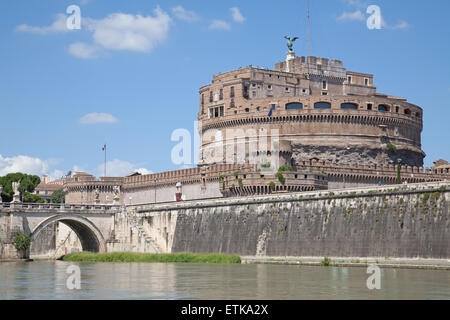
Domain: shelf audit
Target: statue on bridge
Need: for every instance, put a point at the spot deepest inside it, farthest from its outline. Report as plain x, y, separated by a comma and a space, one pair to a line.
16, 196
97, 196
116, 191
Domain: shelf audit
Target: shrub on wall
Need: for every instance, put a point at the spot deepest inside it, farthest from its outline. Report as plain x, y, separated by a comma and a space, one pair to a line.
391, 147
272, 185
284, 168
281, 178
22, 242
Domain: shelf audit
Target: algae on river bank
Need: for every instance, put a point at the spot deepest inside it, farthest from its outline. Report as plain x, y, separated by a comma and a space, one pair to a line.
182, 257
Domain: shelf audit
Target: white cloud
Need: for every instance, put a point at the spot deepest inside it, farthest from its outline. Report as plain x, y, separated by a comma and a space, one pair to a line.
219, 25
120, 31
143, 171
120, 168
402, 25
84, 50
351, 16
23, 164
93, 118
29, 165
237, 16
183, 14
356, 3
58, 26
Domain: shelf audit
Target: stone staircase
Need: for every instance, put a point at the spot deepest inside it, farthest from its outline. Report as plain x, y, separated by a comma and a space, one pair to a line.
133, 220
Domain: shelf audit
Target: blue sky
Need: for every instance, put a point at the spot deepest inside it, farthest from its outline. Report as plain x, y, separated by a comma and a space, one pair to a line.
131, 75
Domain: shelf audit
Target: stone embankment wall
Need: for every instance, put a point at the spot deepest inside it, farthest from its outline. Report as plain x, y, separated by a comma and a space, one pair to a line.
390, 221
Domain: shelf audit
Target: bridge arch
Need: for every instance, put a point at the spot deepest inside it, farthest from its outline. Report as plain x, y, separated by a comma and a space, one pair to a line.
90, 236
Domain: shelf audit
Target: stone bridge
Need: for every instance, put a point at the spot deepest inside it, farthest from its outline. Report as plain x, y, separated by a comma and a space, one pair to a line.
99, 228
387, 221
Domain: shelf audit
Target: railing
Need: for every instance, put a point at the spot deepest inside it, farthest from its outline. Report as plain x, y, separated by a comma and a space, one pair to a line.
58, 206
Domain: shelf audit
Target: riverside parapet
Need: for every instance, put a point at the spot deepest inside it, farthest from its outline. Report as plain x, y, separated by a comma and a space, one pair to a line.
407, 221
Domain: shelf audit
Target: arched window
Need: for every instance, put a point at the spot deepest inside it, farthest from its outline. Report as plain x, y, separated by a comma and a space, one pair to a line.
349, 106
408, 112
294, 106
383, 108
322, 105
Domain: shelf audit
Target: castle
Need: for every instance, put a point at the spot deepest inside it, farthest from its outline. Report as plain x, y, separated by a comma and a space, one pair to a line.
324, 126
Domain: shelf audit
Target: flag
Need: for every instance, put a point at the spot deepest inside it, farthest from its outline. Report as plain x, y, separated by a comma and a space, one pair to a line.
104, 148
271, 110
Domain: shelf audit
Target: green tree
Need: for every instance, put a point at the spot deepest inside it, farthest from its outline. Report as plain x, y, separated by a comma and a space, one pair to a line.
32, 198
59, 196
27, 184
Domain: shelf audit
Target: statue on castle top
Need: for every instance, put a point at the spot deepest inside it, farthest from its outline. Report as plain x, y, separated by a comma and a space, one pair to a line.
290, 42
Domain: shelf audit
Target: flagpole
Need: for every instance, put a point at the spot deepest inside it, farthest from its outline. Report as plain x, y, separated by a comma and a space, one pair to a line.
308, 26
105, 159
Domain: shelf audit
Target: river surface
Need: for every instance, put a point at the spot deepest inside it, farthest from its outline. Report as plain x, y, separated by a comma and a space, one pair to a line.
48, 280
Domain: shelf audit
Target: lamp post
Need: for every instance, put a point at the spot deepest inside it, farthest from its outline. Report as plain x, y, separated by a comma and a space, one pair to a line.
399, 179
154, 181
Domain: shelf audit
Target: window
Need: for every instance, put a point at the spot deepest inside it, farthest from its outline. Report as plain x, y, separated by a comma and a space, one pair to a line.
369, 106
247, 110
269, 87
232, 105
215, 112
203, 103
349, 79
383, 108
253, 85
253, 94
322, 105
286, 89
245, 93
258, 108
324, 85
396, 109
324, 93
408, 112
294, 106
304, 90
272, 106
366, 81
232, 92
349, 106
210, 96
221, 94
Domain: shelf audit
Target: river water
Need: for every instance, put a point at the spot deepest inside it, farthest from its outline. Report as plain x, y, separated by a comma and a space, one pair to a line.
47, 280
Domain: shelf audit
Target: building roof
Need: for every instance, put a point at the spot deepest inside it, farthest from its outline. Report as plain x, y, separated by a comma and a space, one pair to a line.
78, 174
48, 186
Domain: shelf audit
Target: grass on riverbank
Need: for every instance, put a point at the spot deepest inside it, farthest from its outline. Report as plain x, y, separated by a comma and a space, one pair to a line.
182, 257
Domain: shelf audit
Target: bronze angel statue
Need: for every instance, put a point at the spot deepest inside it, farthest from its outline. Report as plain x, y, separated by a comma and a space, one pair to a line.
290, 42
